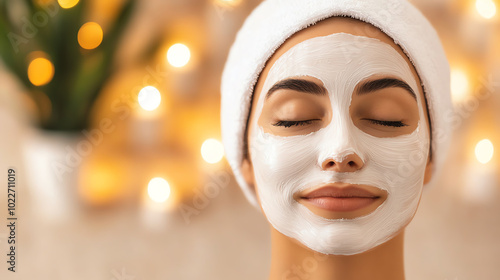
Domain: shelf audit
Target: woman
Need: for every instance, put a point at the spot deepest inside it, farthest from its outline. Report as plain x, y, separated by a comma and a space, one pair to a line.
332, 129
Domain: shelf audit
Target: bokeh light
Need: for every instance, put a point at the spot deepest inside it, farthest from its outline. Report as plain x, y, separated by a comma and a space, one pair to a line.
486, 8
459, 85
178, 55
99, 179
66, 4
231, 3
212, 151
90, 35
158, 189
149, 98
40, 71
484, 151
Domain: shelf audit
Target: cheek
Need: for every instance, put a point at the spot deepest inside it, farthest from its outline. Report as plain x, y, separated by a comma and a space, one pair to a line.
279, 159
395, 164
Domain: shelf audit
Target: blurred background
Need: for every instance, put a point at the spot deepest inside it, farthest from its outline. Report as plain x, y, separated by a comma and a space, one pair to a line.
109, 114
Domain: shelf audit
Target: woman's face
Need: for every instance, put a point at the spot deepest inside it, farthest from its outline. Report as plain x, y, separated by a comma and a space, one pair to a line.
338, 138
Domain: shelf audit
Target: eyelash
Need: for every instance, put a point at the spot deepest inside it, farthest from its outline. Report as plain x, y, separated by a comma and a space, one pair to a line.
293, 123
306, 122
387, 123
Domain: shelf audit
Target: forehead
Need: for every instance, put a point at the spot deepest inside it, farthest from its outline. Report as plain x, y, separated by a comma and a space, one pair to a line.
328, 27
343, 56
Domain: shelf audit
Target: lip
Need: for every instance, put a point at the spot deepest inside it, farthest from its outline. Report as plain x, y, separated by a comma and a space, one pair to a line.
341, 197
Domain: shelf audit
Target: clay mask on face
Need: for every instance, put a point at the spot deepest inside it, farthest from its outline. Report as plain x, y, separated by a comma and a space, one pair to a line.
284, 166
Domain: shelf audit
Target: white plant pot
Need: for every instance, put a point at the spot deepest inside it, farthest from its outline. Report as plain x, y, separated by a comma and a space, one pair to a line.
52, 173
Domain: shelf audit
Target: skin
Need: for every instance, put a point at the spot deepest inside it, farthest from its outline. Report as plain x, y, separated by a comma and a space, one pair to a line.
290, 259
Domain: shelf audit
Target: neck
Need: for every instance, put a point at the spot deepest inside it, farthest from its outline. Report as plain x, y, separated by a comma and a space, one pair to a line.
293, 261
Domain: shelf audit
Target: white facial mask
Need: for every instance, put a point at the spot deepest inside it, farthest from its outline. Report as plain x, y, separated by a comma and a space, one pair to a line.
286, 165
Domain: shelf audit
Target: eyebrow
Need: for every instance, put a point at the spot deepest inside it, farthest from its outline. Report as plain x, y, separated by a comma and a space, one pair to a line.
379, 84
297, 85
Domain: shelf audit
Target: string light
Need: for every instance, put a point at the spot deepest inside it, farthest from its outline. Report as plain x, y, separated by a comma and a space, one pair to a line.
486, 8
149, 98
212, 151
484, 151
158, 189
459, 85
66, 4
40, 71
178, 55
90, 35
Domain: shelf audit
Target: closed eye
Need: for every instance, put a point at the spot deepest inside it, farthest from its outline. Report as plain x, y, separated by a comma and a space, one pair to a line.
294, 123
387, 123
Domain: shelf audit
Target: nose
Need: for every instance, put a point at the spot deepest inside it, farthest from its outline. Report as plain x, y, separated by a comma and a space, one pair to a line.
349, 163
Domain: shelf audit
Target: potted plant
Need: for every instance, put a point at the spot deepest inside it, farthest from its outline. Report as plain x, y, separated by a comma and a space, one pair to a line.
63, 63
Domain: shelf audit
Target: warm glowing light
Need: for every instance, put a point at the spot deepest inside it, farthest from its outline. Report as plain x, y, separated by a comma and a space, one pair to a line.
212, 151
228, 2
40, 71
149, 98
66, 4
100, 182
90, 35
484, 151
158, 189
486, 8
459, 85
178, 55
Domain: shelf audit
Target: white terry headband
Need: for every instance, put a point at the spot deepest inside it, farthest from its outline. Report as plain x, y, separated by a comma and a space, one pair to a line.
274, 21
